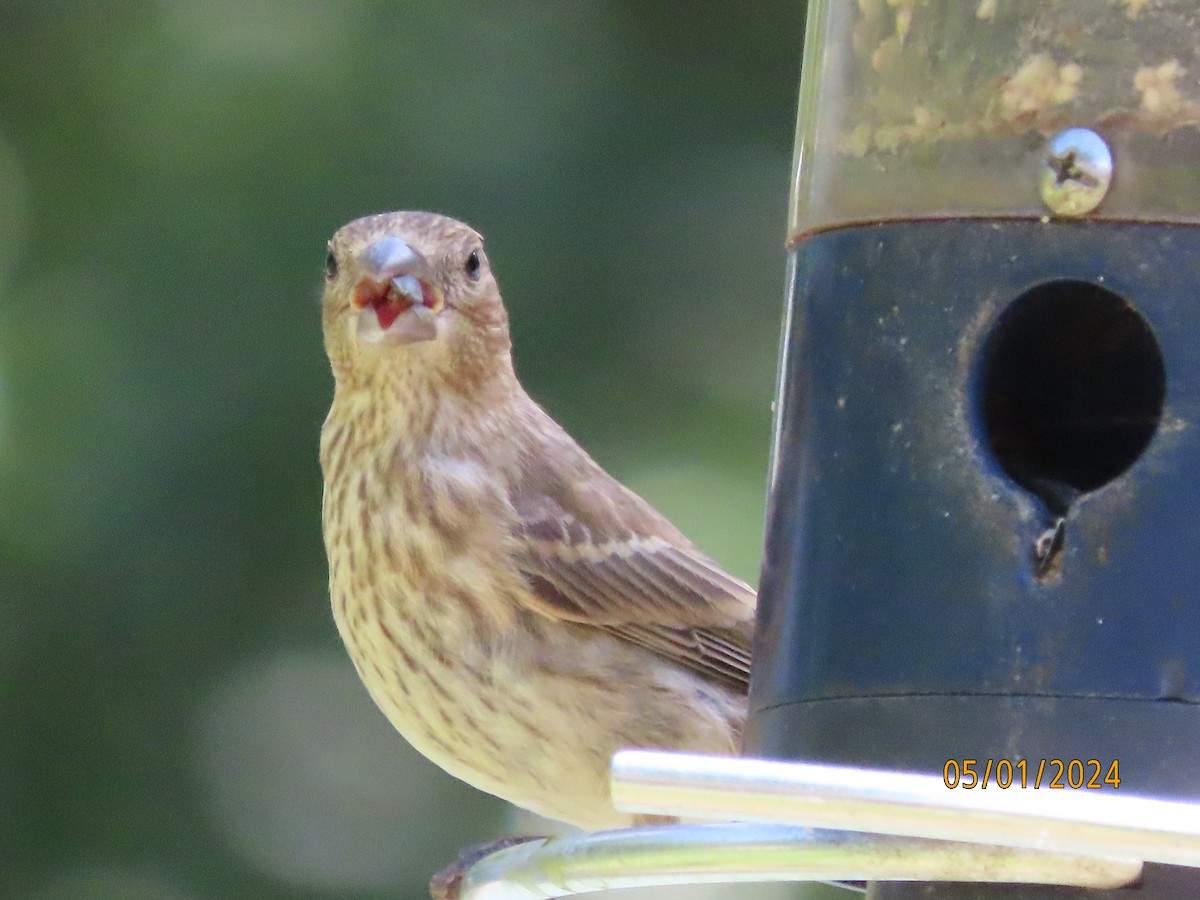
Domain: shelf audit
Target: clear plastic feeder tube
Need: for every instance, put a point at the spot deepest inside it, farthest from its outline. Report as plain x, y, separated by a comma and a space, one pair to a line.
918, 109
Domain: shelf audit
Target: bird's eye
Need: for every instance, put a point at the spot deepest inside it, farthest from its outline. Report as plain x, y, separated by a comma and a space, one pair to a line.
472, 266
331, 265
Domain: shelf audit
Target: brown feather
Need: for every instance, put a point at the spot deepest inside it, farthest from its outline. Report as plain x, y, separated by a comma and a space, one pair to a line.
594, 552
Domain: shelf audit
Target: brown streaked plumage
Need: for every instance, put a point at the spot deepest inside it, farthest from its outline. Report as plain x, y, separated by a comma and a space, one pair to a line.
516, 612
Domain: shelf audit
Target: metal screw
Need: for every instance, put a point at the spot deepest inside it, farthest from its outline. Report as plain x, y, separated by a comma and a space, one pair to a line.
1077, 172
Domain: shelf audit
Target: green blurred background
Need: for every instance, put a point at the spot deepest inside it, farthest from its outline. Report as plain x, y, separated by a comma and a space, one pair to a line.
177, 716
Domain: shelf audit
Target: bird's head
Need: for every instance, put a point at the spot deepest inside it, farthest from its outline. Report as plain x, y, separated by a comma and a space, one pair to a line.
410, 295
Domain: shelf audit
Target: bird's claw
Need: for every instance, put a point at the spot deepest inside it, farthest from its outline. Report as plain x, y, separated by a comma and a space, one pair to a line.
447, 884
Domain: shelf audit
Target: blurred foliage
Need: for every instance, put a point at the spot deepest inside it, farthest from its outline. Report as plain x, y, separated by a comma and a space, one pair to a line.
177, 717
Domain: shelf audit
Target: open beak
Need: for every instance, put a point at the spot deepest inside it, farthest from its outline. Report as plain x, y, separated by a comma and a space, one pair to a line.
396, 303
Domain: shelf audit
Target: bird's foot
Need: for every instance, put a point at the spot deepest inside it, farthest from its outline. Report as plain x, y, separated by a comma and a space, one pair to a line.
447, 884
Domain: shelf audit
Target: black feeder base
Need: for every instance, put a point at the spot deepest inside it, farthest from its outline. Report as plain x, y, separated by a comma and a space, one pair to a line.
984, 536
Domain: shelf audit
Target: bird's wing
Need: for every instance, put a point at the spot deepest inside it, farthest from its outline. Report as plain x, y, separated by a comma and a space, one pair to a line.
594, 552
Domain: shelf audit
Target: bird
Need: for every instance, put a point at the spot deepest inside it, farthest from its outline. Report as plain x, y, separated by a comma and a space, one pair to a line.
515, 611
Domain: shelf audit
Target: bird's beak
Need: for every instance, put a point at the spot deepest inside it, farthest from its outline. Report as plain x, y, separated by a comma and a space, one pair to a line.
395, 300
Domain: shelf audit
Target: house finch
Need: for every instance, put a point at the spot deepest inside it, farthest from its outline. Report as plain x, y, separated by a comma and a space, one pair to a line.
516, 613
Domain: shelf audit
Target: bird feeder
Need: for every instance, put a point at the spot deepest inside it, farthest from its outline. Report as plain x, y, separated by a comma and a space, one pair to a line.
977, 663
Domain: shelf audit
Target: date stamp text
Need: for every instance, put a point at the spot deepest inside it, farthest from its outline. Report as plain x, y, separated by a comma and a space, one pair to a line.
1091, 774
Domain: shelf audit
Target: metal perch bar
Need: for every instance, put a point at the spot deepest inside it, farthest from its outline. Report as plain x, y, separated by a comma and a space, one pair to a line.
1091, 823
744, 852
